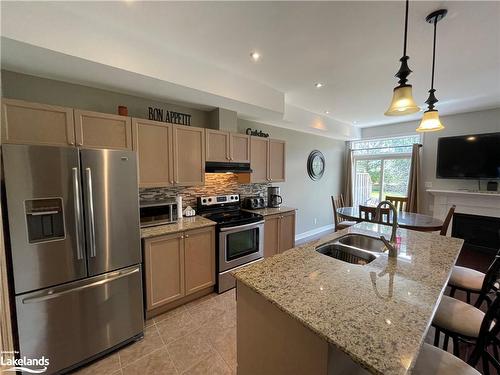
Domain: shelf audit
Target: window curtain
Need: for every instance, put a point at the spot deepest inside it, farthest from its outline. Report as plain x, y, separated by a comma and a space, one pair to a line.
414, 180
348, 179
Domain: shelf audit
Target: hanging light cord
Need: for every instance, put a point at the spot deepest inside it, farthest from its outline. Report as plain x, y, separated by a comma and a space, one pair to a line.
406, 26
434, 55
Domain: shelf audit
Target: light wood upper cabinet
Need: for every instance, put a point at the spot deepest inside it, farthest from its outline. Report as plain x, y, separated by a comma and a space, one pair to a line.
36, 124
102, 130
239, 148
279, 233
259, 158
164, 263
271, 235
217, 145
189, 155
222, 146
199, 250
153, 143
277, 152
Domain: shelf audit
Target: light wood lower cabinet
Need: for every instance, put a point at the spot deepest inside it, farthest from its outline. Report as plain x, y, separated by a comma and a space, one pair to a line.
199, 258
279, 233
153, 143
164, 263
271, 235
103, 130
36, 124
177, 265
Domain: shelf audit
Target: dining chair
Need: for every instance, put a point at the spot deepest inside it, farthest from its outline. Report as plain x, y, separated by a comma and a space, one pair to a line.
471, 281
488, 337
446, 222
368, 213
337, 203
464, 323
435, 361
399, 202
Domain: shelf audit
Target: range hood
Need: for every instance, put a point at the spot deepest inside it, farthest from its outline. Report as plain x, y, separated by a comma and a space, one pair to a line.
222, 167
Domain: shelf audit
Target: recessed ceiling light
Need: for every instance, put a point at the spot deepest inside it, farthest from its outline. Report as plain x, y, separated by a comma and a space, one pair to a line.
318, 85
327, 112
255, 56
354, 122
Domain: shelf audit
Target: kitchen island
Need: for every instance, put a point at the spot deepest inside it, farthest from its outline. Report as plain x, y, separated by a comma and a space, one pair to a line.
304, 312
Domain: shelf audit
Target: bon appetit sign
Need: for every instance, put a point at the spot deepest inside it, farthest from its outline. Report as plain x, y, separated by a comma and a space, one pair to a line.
159, 114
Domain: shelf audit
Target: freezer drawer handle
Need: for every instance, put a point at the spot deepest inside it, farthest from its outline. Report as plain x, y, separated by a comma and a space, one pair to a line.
91, 213
50, 295
78, 214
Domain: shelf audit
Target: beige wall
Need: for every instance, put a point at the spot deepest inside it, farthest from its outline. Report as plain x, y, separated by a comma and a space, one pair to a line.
311, 198
47, 91
466, 123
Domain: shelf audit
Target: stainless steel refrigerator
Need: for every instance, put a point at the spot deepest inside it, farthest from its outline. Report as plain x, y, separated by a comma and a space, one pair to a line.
73, 221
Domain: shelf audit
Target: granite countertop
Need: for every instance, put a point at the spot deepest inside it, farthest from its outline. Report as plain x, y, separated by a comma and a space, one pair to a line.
272, 211
186, 223
378, 314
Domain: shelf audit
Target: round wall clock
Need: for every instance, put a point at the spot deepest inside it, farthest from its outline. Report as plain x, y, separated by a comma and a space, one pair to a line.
315, 165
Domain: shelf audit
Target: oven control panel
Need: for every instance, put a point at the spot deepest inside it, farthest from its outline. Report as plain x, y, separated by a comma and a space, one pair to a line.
218, 199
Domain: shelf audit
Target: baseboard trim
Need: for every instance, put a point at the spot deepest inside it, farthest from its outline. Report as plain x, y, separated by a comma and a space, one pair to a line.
313, 232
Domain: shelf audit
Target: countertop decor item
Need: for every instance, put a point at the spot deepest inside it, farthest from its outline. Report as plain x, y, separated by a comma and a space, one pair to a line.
315, 165
430, 121
122, 110
402, 100
189, 211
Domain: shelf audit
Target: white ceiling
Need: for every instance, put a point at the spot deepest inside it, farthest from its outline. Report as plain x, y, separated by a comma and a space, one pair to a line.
352, 47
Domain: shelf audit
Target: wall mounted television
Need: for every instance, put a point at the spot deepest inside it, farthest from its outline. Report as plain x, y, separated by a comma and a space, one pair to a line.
473, 156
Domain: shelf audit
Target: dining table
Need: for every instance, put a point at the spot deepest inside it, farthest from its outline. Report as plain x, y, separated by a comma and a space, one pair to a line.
407, 220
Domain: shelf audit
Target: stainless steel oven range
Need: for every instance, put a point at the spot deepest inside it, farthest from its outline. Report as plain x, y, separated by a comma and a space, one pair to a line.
240, 235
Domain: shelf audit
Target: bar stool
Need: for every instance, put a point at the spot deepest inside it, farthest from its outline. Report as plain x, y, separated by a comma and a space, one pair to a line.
466, 323
472, 281
337, 202
435, 361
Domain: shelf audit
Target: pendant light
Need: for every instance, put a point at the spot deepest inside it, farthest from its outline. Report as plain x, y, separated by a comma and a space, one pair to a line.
430, 121
402, 99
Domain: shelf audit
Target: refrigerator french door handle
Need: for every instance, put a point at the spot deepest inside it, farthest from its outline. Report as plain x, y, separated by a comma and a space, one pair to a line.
90, 202
50, 294
78, 214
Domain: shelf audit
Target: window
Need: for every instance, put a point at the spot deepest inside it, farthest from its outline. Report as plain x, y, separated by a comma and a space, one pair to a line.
381, 167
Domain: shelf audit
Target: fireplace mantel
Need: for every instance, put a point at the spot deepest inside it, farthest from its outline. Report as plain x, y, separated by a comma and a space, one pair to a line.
483, 203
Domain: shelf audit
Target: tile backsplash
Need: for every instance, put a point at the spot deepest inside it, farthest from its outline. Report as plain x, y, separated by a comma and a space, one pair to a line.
215, 184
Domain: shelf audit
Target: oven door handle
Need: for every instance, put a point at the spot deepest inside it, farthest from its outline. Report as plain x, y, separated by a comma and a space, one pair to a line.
242, 226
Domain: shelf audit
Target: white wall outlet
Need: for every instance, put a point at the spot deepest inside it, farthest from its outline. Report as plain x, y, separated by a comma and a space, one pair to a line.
315, 220
428, 184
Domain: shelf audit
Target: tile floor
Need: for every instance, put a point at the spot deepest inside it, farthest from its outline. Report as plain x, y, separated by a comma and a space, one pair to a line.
197, 338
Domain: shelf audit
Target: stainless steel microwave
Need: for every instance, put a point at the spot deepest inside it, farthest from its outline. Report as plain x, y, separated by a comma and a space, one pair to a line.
158, 212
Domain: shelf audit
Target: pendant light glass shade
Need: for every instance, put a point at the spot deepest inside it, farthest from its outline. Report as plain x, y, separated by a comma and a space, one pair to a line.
402, 98
402, 102
430, 122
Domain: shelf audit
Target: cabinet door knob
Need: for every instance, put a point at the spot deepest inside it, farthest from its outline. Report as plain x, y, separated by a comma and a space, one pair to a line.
182, 237
186, 236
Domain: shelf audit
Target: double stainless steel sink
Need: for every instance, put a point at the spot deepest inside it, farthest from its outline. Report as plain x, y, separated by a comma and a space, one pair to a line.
353, 248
